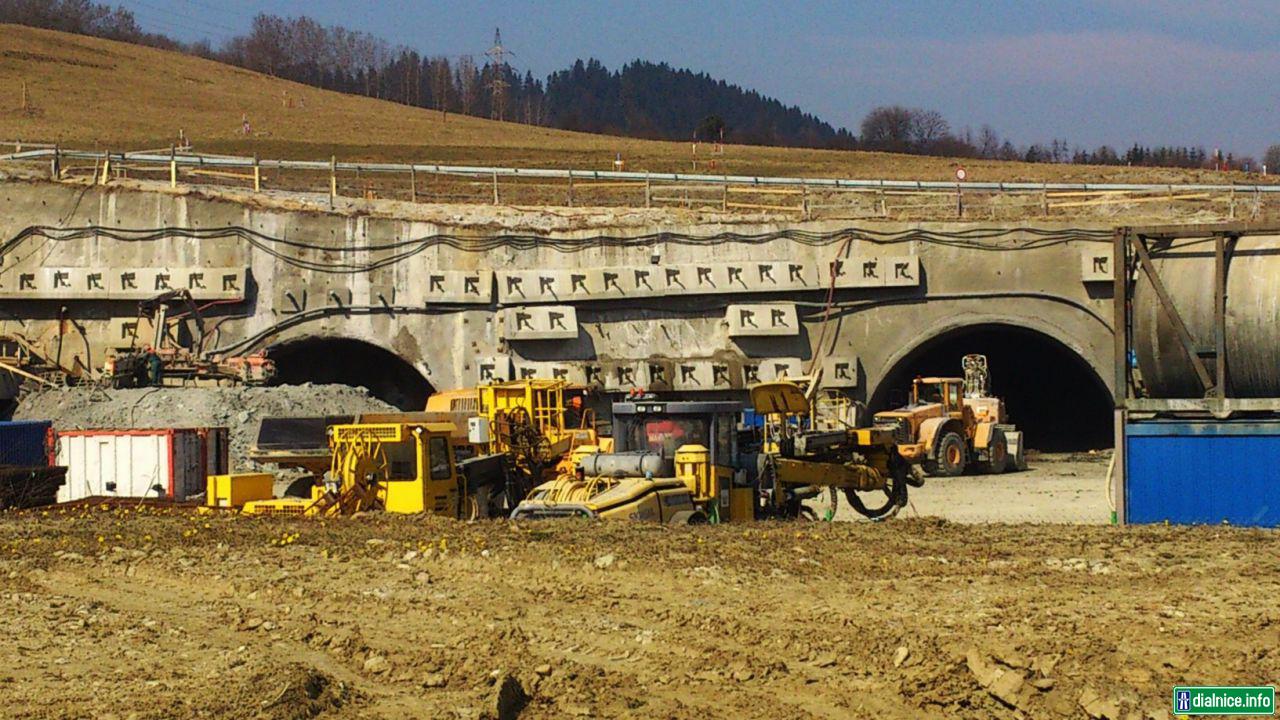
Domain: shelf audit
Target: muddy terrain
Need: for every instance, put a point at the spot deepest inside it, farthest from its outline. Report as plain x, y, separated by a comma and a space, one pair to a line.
135, 613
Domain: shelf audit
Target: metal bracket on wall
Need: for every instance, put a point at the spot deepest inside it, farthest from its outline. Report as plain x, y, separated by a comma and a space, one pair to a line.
1171, 311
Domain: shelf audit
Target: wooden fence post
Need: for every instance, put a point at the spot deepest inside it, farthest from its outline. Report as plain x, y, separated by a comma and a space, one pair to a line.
333, 179
495, 187
413, 184
257, 174
570, 188
173, 166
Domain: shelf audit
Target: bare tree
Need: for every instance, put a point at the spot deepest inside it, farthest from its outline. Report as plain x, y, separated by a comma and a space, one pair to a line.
468, 83
928, 127
988, 142
1272, 159
267, 44
888, 128
441, 83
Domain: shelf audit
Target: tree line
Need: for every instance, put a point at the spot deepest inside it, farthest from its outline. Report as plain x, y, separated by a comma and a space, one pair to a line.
642, 99
926, 132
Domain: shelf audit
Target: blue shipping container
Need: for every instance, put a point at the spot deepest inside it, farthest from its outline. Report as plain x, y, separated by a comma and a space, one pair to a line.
1203, 472
22, 442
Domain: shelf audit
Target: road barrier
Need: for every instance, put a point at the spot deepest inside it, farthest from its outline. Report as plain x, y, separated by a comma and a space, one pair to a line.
483, 184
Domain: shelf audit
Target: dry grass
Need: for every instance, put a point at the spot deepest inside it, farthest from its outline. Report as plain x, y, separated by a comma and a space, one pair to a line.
93, 93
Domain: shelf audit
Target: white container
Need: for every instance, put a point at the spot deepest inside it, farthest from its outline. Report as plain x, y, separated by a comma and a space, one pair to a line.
478, 431
170, 464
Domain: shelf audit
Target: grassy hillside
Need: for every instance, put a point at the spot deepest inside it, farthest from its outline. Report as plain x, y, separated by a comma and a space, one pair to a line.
91, 93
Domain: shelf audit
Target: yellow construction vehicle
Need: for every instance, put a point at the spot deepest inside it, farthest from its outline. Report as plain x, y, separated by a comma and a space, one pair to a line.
806, 454
502, 439
952, 423
671, 462
404, 467
687, 461
534, 423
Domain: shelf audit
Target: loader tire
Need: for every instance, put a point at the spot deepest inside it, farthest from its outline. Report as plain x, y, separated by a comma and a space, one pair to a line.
952, 456
997, 454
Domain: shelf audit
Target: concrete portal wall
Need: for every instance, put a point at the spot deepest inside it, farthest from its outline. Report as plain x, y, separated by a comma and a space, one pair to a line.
685, 315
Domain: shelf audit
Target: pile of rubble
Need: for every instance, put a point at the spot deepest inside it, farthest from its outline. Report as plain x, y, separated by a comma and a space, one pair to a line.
237, 408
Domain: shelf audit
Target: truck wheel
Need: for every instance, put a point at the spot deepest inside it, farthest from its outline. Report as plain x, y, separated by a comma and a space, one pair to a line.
951, 456
688, 517
997, 454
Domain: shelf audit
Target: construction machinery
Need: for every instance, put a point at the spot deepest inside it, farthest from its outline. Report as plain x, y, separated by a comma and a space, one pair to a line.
502, 439
688, 462
535, 423
176, 355
404, 467
806, 453
954, 423
21, 366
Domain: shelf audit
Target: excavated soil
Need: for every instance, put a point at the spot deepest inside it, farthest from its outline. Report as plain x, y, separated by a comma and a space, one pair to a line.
143, 613
237, 408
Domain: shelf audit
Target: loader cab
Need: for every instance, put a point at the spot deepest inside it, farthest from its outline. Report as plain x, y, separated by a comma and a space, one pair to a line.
947, 392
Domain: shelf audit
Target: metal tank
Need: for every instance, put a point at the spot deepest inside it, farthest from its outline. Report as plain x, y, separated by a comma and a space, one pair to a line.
1252, 318
635, 464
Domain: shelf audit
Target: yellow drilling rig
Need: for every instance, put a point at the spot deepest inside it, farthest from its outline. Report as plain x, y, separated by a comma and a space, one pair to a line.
688, 461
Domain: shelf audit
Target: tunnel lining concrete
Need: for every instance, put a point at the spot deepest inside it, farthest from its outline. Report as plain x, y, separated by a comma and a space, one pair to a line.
1049, 387
351, 361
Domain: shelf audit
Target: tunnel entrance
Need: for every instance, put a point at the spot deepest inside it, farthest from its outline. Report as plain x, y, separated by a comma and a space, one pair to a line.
1049, 391
351, 362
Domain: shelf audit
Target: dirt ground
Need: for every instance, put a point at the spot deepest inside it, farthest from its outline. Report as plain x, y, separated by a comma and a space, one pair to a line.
136, 613
1055, 488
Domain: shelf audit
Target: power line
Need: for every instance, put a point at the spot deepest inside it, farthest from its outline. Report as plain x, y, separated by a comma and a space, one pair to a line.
498, 76
163, 26
172, 16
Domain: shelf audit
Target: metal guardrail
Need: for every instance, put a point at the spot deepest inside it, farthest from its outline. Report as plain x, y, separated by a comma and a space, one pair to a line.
188, 160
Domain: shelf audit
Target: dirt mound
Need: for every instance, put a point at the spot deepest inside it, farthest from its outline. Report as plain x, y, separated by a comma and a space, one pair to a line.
302, 693
238, 408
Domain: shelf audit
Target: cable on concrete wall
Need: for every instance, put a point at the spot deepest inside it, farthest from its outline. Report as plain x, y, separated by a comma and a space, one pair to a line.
978, 239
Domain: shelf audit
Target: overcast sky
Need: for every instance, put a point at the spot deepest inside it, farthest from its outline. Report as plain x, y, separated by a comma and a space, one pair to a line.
1176, 72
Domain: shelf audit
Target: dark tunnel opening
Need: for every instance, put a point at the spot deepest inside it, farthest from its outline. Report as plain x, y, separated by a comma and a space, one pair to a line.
1049, 391
351, 362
